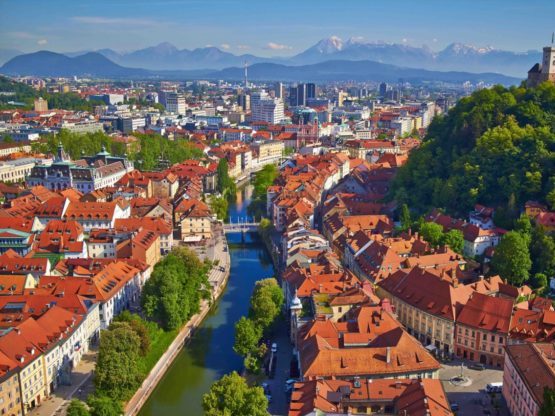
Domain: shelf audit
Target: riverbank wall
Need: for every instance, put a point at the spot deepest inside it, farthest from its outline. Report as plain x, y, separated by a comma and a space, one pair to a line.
140, 397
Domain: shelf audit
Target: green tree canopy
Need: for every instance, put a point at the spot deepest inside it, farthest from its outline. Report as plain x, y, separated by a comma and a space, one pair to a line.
77, 408
548, 405
454, 239
512, 258
174, 291
231, 396
432, 233
496, 145
117, 374
247, 335
104, 406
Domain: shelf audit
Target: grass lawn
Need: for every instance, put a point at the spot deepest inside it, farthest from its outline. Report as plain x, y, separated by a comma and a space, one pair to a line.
160, 340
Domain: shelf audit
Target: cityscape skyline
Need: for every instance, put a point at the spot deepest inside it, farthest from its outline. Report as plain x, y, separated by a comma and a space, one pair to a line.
67, 27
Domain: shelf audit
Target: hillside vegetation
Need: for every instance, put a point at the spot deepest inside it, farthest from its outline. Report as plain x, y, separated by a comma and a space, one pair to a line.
495, 147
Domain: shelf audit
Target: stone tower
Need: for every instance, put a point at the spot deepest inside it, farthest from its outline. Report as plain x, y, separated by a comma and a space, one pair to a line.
544, 71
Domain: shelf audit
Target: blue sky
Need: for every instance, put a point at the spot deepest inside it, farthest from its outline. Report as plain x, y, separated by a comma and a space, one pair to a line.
271, 28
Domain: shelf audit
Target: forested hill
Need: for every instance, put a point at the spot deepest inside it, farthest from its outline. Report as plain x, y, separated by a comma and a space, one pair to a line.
495, 147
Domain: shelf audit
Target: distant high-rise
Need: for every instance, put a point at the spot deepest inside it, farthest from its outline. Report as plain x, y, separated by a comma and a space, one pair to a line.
279, 90
41, 104
383, 89
266, 108
297, 95
310, 90
174, 102
244, 101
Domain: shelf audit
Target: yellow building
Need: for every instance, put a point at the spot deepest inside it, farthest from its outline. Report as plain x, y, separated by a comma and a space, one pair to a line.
10, 393
195, 220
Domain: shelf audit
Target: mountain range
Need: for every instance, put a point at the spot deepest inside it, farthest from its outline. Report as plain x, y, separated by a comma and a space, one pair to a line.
455, 57
94, 64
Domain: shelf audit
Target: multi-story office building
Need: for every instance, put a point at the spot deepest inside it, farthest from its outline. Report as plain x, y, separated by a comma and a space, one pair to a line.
173, 101
266, 108
41, 104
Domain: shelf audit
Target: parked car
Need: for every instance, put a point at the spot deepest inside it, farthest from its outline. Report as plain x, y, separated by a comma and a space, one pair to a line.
274, 347
454, 407
494, 387
266, 388
477, 366
269, 397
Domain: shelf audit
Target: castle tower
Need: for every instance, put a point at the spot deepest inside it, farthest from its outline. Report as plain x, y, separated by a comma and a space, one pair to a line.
544, 71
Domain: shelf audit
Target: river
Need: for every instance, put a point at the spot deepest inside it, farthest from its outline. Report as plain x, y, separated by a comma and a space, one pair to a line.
209, 353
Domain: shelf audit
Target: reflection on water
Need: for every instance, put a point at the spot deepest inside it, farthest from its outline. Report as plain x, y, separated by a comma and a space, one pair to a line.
209, 354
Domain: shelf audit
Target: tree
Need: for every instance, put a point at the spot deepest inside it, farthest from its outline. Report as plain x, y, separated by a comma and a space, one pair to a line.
224, 182
454, 239
512, 258
174, 291
262, 181
231, 396
77, 408
405, 218
432, 233
137, 324
266, 302
104, 406
117, 374
219, 206
539, 281
524, 227
247, 336
548, 405
542, 251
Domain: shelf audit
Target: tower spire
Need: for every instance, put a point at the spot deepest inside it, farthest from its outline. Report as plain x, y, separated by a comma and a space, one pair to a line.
246, 75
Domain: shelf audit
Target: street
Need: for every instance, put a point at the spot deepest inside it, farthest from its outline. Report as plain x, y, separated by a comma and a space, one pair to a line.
472, 399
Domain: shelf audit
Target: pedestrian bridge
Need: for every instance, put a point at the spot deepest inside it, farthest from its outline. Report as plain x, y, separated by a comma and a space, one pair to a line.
241, 227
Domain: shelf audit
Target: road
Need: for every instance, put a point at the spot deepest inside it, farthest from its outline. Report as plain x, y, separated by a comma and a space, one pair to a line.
280, 400
473, 399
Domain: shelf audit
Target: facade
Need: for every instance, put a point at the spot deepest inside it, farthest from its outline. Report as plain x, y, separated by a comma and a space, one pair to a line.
426, 305
483, 329
174, 102
17, 170
194, 219
266, 108
86, 175
528, 370
10, 391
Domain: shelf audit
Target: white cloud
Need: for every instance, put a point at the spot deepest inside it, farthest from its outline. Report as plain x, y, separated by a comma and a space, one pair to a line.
277, 46
100, 20
42, 42
434, 40
225, 46
243, 47
404, 40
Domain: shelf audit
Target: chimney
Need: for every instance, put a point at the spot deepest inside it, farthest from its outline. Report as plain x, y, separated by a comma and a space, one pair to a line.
481, 277
388, 355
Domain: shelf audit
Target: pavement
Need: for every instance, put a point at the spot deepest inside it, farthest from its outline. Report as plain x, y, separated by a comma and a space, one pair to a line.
473, 399
81, 386
280, 400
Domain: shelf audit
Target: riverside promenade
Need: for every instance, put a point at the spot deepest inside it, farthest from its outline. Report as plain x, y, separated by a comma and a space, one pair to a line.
218, 279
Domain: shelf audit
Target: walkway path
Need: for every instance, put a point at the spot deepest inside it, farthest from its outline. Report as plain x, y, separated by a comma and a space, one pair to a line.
80, 379
217, 278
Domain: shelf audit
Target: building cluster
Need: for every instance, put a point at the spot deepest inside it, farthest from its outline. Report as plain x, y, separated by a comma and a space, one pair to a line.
372, 309
78, 242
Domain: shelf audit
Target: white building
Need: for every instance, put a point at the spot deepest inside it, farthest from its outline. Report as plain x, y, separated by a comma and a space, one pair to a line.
266, 108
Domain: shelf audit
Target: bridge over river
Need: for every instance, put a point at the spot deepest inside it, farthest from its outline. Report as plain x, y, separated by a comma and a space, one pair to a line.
241, 225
